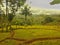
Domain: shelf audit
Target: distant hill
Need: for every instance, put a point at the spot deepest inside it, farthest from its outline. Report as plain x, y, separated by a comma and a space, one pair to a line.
45, 11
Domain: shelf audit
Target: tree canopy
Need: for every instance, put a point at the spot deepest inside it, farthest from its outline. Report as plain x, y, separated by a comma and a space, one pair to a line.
10, 9
55, 2
26, 12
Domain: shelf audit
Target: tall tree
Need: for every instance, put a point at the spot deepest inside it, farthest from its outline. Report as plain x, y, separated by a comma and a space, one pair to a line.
12, 7
26, 11
1, 19
1, 16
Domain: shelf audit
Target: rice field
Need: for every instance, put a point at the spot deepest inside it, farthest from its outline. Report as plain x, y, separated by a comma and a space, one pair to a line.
30, 33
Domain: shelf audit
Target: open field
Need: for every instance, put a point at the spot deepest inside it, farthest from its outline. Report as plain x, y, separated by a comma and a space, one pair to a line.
32, 35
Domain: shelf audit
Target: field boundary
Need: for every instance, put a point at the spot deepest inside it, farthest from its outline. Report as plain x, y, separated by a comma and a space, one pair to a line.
25, 41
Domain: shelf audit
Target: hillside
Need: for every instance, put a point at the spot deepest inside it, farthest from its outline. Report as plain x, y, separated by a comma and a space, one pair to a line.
45, 11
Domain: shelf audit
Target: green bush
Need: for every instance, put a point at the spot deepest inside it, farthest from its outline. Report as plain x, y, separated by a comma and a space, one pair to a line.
47, 20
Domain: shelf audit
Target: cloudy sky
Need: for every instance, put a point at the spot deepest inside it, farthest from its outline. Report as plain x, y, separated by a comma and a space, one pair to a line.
42, 4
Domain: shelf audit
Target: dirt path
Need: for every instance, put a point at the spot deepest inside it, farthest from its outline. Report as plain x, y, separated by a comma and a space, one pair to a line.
31, 40
11, 37
41, 39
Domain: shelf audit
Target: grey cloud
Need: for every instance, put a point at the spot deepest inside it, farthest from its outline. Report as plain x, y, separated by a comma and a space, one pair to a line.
43, 4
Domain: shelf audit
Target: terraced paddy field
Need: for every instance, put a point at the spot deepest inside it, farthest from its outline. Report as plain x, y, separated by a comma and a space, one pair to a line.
31, 35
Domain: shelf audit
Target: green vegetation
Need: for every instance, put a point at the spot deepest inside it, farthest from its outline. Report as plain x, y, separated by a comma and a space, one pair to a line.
12, 7
19, 26
55, 2
37, 20
26, 11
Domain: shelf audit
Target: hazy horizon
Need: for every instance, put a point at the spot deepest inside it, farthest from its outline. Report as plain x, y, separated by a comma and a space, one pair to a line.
43, 4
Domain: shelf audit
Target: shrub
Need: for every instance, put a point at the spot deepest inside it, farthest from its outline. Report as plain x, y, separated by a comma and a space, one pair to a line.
47, 20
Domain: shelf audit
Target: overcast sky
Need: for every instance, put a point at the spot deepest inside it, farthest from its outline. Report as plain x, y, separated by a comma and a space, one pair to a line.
43, 4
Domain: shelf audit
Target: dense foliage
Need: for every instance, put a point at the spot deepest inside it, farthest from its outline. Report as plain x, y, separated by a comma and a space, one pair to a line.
10, 9
37, 20
55, 2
